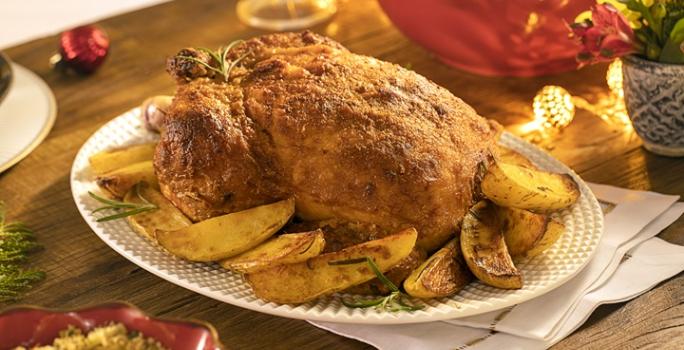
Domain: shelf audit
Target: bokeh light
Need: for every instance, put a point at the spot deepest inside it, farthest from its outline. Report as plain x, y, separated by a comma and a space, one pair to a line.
553, 107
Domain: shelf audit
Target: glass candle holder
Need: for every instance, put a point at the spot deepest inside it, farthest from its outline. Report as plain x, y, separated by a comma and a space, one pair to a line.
282, 15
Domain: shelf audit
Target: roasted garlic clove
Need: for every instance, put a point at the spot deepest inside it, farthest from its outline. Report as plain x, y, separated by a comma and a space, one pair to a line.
154, 111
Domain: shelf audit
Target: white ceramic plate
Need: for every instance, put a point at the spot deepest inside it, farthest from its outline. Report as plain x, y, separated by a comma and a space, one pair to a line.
584, 226
26, 116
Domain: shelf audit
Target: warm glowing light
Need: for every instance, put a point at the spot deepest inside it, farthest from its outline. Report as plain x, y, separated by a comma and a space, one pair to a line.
553, 107
532, 22
614, 78
332, 29
616, 114
614, 110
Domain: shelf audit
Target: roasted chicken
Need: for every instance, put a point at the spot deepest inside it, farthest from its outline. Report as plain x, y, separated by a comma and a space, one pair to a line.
350, 137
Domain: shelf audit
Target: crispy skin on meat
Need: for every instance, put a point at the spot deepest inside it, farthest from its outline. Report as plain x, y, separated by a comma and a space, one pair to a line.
340, 234
351, 137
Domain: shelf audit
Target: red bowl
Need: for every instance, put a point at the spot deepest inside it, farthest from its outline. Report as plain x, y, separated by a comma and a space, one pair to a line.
493, 37
28, 326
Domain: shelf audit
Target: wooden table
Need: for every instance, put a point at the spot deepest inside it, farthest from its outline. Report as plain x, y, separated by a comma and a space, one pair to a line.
82, 270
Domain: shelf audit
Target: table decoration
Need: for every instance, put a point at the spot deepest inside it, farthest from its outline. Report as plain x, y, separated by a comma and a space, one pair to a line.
281, 15
554, 108
650, 38
82, 49
17, 241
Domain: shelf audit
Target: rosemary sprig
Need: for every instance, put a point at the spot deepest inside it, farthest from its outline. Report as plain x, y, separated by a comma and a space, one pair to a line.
130, 208
16, 242
13, 281
393, 302
219, 56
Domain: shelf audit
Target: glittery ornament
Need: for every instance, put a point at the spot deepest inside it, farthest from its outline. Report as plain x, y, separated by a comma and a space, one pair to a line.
553, 107
82, 49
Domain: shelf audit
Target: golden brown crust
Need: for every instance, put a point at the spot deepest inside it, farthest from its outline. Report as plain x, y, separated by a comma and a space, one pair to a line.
448, 276
351, 137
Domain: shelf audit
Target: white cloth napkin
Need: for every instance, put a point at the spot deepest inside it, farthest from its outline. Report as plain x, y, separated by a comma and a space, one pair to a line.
633, 222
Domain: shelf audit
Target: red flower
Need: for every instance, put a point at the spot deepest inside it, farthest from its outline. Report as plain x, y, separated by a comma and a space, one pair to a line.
605, 37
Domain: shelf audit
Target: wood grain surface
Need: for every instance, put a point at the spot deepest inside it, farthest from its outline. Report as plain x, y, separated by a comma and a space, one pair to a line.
82, 270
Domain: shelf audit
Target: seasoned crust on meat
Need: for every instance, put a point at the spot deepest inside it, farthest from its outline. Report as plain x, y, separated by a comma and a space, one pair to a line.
352, 138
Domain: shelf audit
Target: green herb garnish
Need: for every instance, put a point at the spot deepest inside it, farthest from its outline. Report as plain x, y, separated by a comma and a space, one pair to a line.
130, 208
219, 56
13, 281
392, 302
16, 242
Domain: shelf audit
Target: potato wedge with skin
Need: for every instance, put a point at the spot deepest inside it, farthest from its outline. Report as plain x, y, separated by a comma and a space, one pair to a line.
442, 274
167, 217
513, 186
106, 161
507, 155
484, 248
288, 248
522, 229
553, 231
118, 182
397, 274
227, 235
323, 275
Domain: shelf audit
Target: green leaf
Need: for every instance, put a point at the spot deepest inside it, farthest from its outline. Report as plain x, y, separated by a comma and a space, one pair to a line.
381, 276
672, 52
677, 33
363, 303
111, 202
645, 12
14, 281
220, 56
127, 213
135, 208
392, 302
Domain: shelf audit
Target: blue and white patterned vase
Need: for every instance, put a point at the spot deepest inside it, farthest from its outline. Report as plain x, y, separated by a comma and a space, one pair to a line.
654, 95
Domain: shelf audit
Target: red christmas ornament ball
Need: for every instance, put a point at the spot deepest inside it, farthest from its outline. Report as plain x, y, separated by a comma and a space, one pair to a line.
83, 48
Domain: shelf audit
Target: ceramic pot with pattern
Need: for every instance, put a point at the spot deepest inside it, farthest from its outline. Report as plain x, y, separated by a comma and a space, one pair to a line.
654, 95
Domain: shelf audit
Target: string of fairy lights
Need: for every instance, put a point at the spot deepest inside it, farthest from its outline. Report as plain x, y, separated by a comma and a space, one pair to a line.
554, 107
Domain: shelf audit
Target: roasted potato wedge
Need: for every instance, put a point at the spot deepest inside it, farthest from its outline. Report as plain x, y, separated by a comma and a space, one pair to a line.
118, 182
167, 217
106, 161
331, 272
522, 229
514, 186
397, 274
554, 230
484, 248
227, 235
442, 274
510, 156
288, 248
